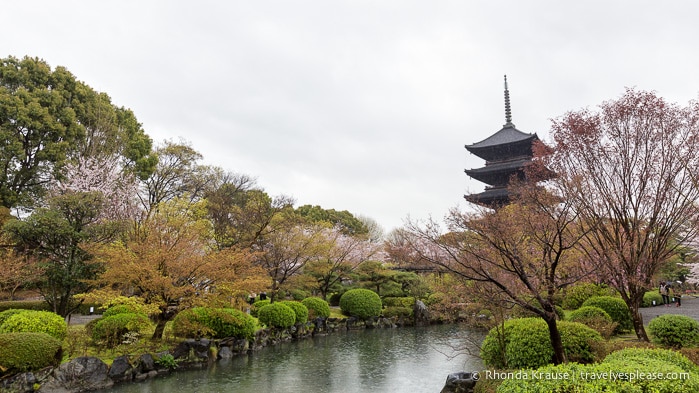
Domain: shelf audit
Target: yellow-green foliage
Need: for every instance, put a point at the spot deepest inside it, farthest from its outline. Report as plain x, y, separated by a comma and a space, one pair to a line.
111, 330
528, 344
317, 307
34, 321
277, 315
625, 371
214, 323
675, 331
21, 352
300, 310
616, 308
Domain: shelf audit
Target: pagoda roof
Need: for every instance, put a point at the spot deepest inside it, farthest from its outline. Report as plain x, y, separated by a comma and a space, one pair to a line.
498, 170
507, 135
491, 197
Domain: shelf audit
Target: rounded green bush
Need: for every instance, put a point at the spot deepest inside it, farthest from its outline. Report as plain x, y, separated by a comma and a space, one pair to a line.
257, 305
616, 308
36, 322
598, 377
576, 295
317, 307
277, 315
400, 312
300, 310
641, 354
214, 323
112, 329
651, 296
675, 331
28, 351
595, 318
8, 313
528, 344
360, 303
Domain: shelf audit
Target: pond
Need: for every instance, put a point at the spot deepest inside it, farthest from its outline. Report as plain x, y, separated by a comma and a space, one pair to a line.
411, 360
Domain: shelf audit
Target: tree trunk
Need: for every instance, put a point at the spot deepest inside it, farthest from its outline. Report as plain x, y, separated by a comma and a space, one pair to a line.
159, 329
634, 304
559, 355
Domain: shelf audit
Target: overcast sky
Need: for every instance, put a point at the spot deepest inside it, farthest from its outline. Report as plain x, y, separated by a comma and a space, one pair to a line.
358, 105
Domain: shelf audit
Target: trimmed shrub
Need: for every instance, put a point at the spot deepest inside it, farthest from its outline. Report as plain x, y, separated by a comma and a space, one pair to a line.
400, 312
651, 296
641, 354
257, 305
616, 308
36, 322
276, 315
27, 351
407, 302
578, 340
674, 331
573, 377
317, 307
595, 318
577, 294
112, 329
299, 294
36, 305
214, 323
360, 303
528, 345
300, 310
8, 313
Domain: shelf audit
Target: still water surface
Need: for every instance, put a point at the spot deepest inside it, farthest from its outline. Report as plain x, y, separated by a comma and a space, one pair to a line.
411, 360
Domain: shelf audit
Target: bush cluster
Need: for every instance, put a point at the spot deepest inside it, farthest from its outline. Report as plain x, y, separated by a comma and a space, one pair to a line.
122, 309
257, 305
407, 302
577, 294
674, 331
300, 310
528, 345
360, 303
616, 308
18, 321
28, 351
595, 318
214, 323
277, 315
400, 312
624, 363
317, 307
36, 305
111, 329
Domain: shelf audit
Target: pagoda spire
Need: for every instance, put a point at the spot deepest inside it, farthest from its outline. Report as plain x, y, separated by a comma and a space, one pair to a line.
508, 112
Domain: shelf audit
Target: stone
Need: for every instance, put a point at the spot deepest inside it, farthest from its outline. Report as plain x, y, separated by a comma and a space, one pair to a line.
462, 382
421, 314
145, 363
225, 353
121, 369
79, 375
19, 383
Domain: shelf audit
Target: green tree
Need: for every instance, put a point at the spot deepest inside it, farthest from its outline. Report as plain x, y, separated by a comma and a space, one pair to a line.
342, 219
59, 237
38, 127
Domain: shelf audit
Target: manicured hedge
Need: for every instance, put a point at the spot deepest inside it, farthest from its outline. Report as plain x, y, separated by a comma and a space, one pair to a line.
214, 323
36, 305
35, 322
407, 302
28, 351
361, 303
277, 315
317, 307
625, 371
112, 329
675, 331
576, 295
257, 305
300, 310
121, 309
595, 318
528, 345
616, 308
401, 312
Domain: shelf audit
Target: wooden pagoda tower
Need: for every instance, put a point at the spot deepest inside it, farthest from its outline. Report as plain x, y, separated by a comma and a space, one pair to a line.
506, 153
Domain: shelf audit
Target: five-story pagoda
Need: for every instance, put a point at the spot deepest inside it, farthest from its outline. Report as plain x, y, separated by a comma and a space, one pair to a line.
506, 153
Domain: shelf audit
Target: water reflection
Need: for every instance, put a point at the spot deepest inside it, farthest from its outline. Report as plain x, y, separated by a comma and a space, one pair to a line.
381, 360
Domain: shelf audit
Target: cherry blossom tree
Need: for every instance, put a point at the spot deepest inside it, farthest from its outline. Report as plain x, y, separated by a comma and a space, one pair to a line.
630, 169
